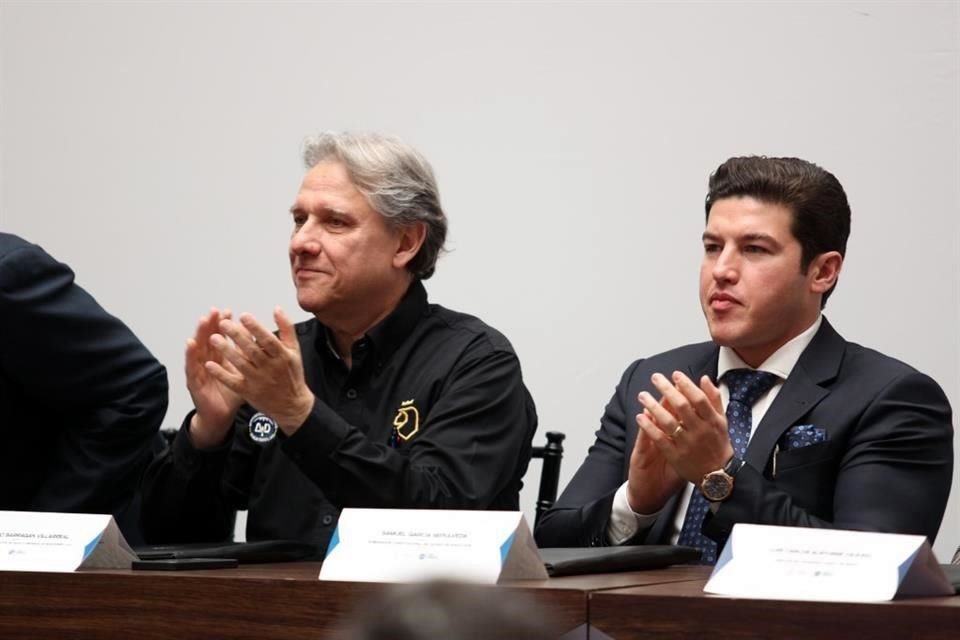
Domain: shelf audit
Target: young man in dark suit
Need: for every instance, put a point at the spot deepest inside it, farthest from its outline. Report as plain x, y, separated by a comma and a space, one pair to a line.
778, 420
81, 397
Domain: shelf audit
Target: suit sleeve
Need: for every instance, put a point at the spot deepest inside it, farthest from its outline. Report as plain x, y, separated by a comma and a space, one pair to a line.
475, 436
580, 516
893, 475
65, 352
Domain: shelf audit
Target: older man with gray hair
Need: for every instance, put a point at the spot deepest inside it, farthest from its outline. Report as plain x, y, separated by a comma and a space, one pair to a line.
381, 400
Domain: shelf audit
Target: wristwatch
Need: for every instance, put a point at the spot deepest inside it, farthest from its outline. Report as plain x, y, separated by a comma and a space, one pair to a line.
718, 485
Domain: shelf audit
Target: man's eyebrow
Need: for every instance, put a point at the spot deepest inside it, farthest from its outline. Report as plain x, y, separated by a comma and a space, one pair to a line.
295, 209
747, 237
759, 237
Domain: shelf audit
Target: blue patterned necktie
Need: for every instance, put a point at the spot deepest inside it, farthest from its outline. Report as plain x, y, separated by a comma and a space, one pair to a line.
746, 386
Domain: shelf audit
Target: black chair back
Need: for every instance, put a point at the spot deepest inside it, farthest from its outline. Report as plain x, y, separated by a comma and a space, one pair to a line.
552, 456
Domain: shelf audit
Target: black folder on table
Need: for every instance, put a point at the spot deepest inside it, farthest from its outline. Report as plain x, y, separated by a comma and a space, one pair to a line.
952, 571
243, 552
569, 561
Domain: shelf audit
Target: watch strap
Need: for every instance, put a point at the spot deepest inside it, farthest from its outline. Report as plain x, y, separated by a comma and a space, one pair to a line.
733, 466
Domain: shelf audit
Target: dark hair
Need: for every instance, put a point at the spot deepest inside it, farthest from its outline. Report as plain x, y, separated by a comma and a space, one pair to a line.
821, 213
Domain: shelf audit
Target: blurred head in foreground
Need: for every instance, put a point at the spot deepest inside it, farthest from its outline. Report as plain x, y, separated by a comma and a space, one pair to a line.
450, 611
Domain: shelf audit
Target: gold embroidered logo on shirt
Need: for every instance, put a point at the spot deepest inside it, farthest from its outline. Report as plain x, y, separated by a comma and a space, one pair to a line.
407, 421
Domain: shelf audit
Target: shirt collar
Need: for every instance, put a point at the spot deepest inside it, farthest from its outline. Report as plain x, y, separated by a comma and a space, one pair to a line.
386, 336
780, 363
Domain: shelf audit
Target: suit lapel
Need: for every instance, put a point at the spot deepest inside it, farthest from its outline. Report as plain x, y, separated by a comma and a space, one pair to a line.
707, 366
818, 365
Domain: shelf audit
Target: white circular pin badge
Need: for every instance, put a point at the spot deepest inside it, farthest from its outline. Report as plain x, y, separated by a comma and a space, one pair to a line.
262, 428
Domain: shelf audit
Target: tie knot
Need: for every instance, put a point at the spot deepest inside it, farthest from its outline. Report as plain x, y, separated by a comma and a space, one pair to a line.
746, 385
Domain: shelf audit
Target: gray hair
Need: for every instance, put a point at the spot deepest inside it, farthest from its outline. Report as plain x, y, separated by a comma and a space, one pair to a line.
395, 179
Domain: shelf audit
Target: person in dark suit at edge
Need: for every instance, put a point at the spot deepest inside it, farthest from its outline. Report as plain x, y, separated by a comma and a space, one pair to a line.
82, 398
778, 420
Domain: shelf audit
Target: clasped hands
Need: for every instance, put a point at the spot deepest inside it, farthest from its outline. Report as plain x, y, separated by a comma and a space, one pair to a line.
681, 437
230, 362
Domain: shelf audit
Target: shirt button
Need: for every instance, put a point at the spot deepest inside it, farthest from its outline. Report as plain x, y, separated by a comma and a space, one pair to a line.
327, 519
352, 394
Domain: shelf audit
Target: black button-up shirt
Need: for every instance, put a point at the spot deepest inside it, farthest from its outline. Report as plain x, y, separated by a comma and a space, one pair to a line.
433, 413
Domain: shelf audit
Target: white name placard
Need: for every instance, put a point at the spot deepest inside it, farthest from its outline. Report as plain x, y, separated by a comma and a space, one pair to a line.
408, 545
35, 541
797, 563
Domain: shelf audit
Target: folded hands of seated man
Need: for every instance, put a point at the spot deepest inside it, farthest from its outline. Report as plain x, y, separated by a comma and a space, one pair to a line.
681, 437
229, 362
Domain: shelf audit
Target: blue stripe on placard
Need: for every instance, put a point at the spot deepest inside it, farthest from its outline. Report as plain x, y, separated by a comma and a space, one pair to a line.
334, 540
505, 547
725, 556
87, 550
905, 567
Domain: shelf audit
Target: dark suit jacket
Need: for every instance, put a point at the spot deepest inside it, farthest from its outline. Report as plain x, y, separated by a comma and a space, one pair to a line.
886, 464
81, 398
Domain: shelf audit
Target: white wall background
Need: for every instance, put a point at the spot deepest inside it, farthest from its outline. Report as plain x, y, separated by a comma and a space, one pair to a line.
155, 148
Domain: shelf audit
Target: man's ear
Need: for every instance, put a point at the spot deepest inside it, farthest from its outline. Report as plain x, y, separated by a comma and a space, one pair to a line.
409, 240
824, 271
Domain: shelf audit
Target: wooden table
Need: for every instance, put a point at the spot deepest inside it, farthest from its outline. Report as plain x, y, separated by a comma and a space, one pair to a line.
253, 601
682, 610
288, 601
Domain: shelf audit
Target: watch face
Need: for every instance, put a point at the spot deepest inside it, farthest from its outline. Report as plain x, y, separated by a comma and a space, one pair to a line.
716, 486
